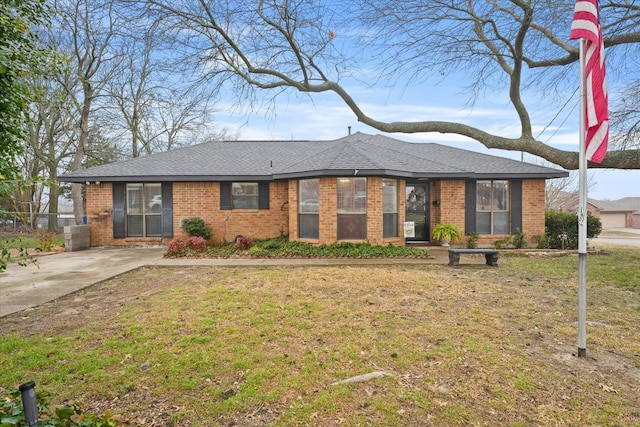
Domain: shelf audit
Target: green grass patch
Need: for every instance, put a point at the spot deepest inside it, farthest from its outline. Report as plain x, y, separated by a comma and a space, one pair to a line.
35, 240
262, 346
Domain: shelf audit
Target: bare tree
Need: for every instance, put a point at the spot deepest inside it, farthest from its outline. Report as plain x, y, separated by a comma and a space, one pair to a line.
51, 131
626, 119
290, 45
155, 102
85, 31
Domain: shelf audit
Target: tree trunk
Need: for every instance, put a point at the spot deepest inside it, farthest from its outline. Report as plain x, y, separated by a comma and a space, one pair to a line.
76, 189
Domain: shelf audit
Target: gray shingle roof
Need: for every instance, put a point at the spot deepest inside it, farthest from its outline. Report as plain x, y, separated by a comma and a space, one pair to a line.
627, 204
258, 160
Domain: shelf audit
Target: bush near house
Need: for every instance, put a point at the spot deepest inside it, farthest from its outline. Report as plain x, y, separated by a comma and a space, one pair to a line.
196, 227
180, 247
562, 230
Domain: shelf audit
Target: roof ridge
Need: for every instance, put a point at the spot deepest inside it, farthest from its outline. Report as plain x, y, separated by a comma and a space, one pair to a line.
313, 154
388, 140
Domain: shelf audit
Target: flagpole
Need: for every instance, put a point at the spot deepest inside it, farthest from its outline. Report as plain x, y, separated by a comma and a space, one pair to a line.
582, 213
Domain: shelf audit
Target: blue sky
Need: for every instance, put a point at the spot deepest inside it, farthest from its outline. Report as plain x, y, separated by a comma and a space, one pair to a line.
325, 116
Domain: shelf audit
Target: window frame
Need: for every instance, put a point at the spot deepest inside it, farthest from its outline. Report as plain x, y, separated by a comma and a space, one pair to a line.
389, 210
241, 188
308, 212
142, 213
226, 195
351, 210
491, 205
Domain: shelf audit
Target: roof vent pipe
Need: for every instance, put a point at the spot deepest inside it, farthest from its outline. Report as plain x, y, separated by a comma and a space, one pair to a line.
349, 127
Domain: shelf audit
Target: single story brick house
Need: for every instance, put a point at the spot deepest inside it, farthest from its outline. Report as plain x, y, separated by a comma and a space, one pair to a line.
356, 188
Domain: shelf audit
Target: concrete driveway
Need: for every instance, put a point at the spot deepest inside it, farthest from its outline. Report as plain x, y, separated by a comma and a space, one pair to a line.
63, 273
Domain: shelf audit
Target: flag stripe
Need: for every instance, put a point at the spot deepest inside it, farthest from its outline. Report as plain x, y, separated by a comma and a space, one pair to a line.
586, 25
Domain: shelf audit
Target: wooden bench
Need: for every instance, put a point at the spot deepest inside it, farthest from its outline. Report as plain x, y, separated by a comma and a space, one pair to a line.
491, 255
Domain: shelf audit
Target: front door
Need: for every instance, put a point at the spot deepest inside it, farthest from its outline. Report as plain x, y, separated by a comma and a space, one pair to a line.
417, 211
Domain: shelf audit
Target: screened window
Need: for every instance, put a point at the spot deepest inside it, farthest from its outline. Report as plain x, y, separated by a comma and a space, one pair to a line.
390, 208
144, 210
352, 208
492, 207
308, 209
244, 195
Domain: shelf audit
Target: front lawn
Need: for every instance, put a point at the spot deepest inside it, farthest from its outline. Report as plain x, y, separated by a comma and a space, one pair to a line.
203, 346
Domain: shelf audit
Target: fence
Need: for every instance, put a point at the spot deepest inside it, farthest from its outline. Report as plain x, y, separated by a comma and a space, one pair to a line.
19, 220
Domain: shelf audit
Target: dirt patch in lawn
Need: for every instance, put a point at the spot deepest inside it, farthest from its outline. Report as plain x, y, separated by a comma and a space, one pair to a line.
263, 346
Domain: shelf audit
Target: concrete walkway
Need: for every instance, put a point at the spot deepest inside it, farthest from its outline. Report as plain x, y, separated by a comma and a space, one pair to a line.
63, 273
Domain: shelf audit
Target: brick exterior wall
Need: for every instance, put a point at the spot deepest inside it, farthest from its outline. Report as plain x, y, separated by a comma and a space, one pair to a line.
451, 194
328, 205
99, 212
202, 199
533, 208
193, 199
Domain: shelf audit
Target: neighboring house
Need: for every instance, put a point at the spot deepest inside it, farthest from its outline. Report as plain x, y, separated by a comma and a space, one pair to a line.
623, 213
570, 202
357, 188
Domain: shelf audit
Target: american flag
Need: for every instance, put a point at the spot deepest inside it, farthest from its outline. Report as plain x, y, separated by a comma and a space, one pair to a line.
586, 25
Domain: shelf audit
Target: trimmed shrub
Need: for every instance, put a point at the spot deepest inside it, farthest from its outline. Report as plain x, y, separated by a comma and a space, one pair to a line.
183, 247
196, 227
177, 247
244, 242
562, 229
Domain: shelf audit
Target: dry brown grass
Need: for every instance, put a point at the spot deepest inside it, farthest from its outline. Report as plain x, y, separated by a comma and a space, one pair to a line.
228, 346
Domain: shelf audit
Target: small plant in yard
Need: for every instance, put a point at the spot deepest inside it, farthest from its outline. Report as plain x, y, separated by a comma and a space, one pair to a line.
244, 242
68, 415
23, 257
542, 241
502, 243
472, 240
185, 247
45, 240
196, 227
519, 239
446, 232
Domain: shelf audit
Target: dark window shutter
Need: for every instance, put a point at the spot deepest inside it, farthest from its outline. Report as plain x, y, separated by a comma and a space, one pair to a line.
225, 196
167, 209
118, 210
470, 206
516, 205
263, 195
